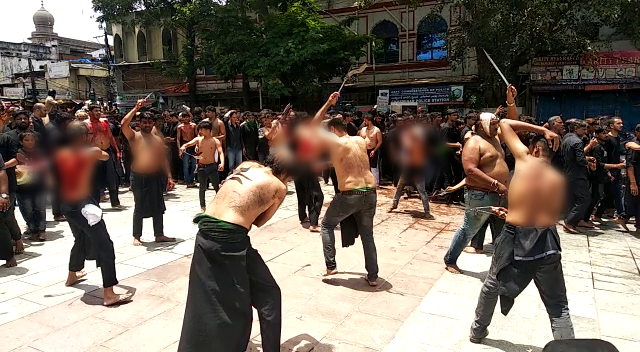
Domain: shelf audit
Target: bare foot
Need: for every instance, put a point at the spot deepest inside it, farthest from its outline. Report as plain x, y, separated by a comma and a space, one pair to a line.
33, 237
585, 224
596, 218
330, 272
42, 236
165, 239
372, 283
137, 242
428, 216
203, 209
111, 298
393, 207
314, 229
570, 229
19, 247
473, 250
74, 276
622, 222
11, 262
452, 268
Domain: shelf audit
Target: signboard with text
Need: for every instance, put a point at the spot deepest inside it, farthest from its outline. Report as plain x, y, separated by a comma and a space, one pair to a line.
430, 95
614, 67
13, 93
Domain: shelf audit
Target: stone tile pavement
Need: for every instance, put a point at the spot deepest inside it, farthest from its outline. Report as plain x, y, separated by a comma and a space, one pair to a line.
418, 306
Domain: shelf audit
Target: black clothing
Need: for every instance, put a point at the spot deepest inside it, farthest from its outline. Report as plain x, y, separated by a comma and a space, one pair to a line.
600, 174
106, 176
90, 242
352, 129
234, 137
464, 132
148, 201
310, 196
373, 160
8, 150
263, 143
40, 128
15, 136
575, 163
205, 173
227, 278
250, 139
579, 199
450, 133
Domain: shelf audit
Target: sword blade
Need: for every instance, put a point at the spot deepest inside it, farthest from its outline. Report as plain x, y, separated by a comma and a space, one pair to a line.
496, 67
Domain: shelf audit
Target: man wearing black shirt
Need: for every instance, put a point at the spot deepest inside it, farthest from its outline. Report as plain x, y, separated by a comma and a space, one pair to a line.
21, 119
613, 194
633, 174
451, 166
555, 124
170, 134
352, 129
600, 176
234, 141
250, 136
470, 121
39, 115
575, 170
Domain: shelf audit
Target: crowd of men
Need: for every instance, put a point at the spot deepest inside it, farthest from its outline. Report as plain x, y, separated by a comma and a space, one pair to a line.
511, 175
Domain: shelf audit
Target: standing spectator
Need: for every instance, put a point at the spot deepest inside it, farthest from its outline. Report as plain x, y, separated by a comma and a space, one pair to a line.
30, 190
263, 142
601, 175
38, 119
613, 193
352, 129
8, 151
198, 115
555, 124
21, 120
633, 174
186, 132
170, 138
234, 141
575, 170
250, 136
6, 246
451, 164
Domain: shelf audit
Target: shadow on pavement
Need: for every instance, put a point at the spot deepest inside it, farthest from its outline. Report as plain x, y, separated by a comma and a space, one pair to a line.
92, 292
358, 283
154, 246
302, 342
509, 346
480, 275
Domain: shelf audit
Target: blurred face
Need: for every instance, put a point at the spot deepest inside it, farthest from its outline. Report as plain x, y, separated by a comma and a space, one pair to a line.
22, 122
211, 115
581, 131
160, 123
146, 125
82, 116
453, 116
40, 112
617, 125
185, 119
603, 136
437, 120
95, 113
233, 118
28, 142
557, 126
493, 128
368, 122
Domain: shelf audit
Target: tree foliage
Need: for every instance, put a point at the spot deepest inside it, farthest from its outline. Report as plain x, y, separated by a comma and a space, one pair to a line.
514, 32
284, 45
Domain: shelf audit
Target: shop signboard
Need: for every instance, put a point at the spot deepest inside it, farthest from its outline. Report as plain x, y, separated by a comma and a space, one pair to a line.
613, 67
430, 95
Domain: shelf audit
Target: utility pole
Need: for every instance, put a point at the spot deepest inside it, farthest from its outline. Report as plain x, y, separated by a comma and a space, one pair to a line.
34, 93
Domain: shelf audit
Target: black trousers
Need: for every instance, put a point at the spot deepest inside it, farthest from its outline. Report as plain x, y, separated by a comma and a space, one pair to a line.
158, 224
632, 204
9, 230
90, 242
310, 197
579, 198
597, 192
106, 176
206, 173
225, 281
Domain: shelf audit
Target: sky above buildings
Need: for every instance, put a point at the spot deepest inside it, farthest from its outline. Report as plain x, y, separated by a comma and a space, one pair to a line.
73, 19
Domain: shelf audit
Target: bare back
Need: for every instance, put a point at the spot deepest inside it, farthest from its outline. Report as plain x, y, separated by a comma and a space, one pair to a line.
351, 161
490, 156
250, 195
536, 194
148, 153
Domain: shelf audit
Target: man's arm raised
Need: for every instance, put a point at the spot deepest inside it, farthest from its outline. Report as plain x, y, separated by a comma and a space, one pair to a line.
508, 129
126, 121
512, 109
333, 99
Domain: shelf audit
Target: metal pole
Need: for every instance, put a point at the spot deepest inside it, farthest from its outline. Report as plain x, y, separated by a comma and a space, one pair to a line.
34, 93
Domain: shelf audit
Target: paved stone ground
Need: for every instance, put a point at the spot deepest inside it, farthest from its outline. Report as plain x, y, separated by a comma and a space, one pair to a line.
419, 307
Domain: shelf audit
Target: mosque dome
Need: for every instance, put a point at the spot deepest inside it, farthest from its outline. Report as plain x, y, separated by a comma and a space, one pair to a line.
43, 18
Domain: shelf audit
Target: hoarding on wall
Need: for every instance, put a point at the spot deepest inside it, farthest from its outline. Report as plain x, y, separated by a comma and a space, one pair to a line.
58, 69
383, 100
592, 68
13, 93
431, 95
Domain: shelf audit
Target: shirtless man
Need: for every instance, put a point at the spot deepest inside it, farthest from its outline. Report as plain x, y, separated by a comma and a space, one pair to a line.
528, 247
75, 165
275, 135
106, 175
486, 181
373, 139
225, 260
147, 178
210, 158
217, 126
186, 133
357, 197
412, 158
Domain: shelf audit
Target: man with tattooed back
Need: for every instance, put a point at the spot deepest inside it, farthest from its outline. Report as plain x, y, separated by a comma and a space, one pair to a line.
228, 276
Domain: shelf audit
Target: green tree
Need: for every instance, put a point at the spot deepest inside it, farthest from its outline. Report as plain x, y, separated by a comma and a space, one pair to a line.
187, 17
514, 32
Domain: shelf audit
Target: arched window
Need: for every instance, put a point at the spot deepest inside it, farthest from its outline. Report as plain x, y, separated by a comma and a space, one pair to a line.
167, 43
386, 48
432, 39
117, 48
142, 46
